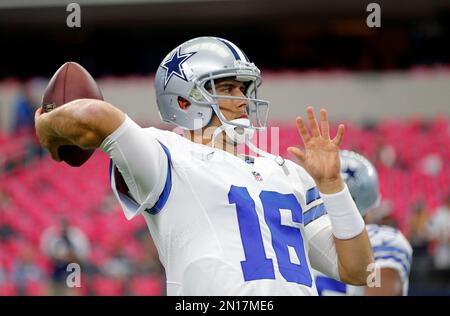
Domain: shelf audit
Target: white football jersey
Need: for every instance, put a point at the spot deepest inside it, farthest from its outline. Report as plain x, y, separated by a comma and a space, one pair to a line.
227, 226
390, 250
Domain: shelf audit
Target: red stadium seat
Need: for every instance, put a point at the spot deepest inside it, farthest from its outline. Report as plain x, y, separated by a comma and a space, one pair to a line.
36, 288
104, 286
8, 289
147, 286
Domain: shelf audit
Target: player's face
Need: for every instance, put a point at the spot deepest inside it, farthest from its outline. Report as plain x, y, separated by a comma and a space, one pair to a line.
231, 109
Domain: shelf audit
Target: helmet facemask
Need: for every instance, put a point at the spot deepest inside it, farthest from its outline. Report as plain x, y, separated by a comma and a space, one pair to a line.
257, 109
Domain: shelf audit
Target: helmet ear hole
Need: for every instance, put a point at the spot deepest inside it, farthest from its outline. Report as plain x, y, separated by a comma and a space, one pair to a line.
183, 103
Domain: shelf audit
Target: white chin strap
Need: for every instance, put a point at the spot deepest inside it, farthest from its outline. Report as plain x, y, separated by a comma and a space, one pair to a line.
241, 135
235, 135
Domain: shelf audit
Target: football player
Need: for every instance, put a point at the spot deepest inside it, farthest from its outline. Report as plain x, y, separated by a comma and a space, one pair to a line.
223, 225
392, 251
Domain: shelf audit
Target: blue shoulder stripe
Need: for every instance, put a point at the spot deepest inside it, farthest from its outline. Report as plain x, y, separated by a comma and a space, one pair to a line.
314, 213
312, 195
394, 258
392, 249
167, 187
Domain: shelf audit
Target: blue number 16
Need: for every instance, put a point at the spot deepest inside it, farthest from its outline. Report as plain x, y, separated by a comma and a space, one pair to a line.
256, 265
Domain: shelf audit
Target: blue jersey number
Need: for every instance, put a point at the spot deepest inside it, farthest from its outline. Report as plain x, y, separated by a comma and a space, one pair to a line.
256, 265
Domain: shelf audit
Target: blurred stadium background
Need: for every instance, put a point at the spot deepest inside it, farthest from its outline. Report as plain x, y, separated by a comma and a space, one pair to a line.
390, 85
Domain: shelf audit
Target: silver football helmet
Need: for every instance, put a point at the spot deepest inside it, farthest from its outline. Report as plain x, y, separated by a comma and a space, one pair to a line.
362, 180
189, 72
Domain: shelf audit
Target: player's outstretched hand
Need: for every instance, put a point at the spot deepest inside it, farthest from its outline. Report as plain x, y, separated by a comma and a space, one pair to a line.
321, 155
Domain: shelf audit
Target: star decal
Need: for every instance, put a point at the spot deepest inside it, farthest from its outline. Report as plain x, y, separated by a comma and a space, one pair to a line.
173, 66
350, 173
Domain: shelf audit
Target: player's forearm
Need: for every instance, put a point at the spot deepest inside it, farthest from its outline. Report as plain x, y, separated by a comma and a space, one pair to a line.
352, 243
354, 259
84, 122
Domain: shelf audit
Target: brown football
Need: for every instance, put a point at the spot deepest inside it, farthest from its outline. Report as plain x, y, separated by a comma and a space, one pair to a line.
70, 82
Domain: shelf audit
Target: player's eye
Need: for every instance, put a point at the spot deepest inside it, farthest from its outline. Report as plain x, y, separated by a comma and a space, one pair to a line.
226, 88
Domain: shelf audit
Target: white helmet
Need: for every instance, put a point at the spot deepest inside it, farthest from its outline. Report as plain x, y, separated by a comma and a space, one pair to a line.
362, 180
191, 66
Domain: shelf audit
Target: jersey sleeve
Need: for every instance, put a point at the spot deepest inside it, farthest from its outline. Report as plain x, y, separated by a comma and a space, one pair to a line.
313, 207
140, 172
322, 249
318, 231
391, 249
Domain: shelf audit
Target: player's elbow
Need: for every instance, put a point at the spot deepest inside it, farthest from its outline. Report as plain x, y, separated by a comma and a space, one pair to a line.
97, 119
355, 278
357, 273
88, 140
355, 259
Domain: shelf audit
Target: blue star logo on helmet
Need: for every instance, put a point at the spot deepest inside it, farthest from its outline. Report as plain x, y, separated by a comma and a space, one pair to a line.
350, 173
173, 66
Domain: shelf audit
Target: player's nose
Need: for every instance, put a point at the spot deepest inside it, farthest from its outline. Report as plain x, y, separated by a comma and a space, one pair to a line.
241, 104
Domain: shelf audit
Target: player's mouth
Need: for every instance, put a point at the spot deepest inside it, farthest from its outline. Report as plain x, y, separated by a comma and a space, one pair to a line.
243, 116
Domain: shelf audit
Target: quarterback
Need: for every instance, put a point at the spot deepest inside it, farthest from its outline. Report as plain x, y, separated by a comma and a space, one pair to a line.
223, 224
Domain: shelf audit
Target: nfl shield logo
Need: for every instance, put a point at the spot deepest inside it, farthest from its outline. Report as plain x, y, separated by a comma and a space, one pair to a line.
257, 176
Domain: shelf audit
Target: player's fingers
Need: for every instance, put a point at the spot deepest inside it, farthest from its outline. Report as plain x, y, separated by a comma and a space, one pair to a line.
340, 134
300, 155
304, 134
324, 124
312, 121
54, 153
37, 113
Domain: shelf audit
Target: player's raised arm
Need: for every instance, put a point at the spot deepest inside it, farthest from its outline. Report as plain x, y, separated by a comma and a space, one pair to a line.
321, 160
83, 122
139, 158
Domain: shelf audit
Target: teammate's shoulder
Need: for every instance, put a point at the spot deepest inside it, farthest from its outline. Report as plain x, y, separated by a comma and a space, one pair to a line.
387, 236
391, 249
383, 229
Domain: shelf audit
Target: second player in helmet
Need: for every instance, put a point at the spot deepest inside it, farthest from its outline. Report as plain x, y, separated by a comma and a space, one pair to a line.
392, 251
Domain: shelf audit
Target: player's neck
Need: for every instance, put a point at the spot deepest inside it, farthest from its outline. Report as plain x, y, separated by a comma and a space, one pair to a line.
220, 141
222, 144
